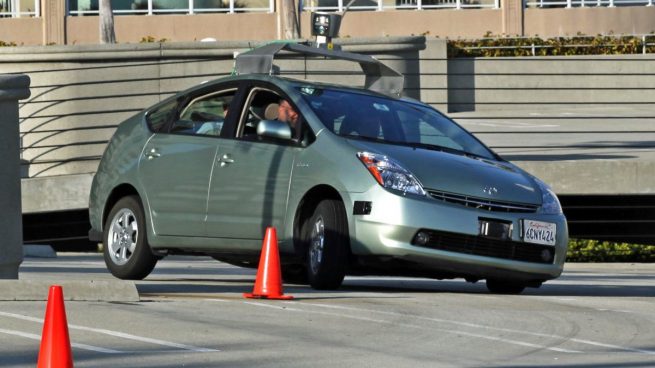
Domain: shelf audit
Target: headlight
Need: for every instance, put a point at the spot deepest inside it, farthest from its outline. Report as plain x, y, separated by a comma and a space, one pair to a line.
550, 204
390, 174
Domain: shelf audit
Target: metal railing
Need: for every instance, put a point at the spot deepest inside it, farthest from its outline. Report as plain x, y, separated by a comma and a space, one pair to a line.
381, 5
151, 7
585, 3
20, 8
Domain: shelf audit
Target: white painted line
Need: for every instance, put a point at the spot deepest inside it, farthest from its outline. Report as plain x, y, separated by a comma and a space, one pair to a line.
74, 345
143, 339
341, 315
272, 306
216, 300
116, 334
474, 325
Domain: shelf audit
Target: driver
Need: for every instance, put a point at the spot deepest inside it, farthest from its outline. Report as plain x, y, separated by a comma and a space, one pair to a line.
288, 114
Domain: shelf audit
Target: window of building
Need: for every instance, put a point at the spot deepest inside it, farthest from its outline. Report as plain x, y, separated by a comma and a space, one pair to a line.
20, 8
154, 7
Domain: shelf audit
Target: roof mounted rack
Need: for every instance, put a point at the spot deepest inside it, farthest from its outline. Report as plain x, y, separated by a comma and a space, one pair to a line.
379, 77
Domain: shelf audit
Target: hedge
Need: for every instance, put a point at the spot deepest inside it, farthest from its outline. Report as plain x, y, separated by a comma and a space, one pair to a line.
495, 46
582, 250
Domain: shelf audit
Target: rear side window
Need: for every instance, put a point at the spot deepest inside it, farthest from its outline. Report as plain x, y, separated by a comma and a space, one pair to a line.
204, 115
158, 117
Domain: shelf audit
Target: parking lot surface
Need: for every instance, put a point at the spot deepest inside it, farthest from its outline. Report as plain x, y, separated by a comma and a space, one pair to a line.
191, 313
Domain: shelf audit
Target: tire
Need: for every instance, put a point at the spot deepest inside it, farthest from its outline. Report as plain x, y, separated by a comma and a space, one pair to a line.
326, 237
126, 250
497, 286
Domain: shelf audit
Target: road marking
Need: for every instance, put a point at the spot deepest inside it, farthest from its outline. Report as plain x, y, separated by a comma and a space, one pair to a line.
272, 306
456, 332
75, 345
216, 300
117, 334
474, 325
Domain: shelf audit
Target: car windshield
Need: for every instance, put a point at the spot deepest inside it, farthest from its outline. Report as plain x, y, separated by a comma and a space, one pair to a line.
361, 116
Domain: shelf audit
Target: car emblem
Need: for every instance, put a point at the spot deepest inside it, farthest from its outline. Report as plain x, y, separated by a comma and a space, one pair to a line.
490, 191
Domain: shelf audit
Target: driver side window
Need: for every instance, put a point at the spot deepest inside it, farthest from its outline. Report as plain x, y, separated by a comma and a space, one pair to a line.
204, 115
262, 105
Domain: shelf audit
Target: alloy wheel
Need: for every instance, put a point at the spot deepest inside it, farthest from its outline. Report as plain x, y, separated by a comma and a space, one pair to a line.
123, 235
317, 241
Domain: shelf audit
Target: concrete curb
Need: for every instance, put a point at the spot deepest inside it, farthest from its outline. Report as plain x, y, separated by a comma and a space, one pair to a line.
92, 290
38, 251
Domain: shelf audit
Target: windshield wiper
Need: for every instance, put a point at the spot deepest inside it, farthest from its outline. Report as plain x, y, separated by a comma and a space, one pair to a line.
436, 147
428, 146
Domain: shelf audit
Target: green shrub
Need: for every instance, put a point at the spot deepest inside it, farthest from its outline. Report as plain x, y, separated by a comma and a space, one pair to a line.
151, 39
581, 250
491, 46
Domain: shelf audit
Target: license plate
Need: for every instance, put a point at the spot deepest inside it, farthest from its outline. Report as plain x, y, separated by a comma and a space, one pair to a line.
539, 232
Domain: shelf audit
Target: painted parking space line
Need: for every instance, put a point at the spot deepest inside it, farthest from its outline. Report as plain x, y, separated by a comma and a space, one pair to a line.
479, 326
74, 345
119, 334
457, 332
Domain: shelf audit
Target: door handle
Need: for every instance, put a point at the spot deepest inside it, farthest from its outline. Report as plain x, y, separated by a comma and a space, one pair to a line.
225, 160
152, 154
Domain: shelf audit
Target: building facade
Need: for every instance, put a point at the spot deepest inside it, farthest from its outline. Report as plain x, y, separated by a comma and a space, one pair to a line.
46, 22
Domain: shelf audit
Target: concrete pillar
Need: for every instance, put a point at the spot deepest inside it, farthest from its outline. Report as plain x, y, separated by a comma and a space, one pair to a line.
434, 74
12, 89
512, 17
54, 22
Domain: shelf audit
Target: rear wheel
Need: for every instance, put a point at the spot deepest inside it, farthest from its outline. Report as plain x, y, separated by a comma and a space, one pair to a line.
126, 251
326, 234
497, 286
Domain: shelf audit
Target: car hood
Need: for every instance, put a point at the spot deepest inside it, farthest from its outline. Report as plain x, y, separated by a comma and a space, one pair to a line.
460, 174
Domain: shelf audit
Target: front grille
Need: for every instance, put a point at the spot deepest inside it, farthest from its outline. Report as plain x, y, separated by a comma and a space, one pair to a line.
483, 203
488, 247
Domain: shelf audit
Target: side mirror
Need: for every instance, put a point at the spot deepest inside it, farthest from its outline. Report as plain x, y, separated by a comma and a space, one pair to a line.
274, 129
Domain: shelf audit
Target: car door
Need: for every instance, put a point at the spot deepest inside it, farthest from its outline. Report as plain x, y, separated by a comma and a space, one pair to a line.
175, 168
250, 185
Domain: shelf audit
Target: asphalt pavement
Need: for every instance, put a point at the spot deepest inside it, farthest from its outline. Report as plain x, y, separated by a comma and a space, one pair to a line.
190, 313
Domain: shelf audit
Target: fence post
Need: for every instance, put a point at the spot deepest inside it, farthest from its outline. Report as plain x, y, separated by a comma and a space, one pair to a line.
12, 89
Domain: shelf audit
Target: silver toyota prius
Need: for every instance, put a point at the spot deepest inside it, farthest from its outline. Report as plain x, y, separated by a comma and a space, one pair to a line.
356, 181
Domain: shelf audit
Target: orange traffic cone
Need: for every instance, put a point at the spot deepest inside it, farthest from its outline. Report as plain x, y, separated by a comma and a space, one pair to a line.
268, 284
55, 349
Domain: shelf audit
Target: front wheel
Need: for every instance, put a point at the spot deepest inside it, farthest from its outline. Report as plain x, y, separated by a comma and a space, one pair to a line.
326, 234
505, 286
126, 251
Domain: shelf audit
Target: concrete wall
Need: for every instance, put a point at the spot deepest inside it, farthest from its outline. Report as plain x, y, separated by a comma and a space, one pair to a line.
12, 89
589, 21
529, 83
22, 31
443, 23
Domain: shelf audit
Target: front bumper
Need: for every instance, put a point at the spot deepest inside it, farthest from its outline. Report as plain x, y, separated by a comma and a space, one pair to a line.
394, 221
